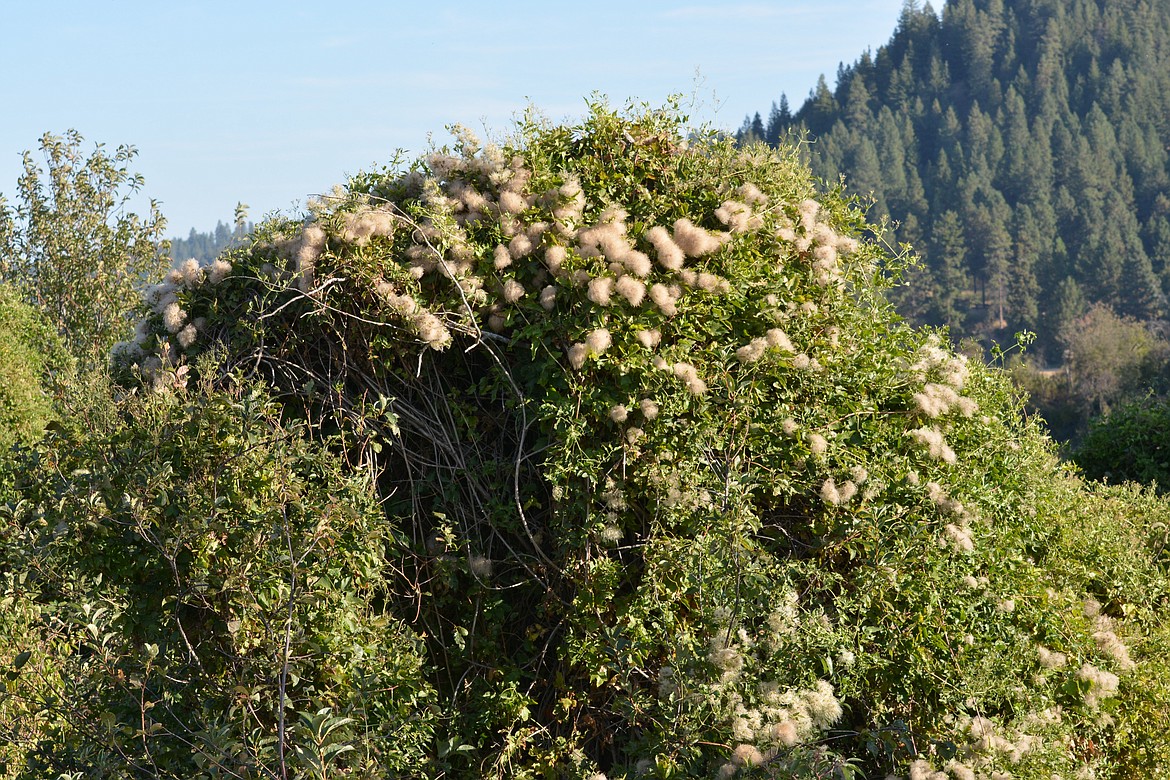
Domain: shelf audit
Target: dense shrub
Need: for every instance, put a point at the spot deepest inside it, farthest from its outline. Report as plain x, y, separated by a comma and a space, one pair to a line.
1131, 443
32, 360
667, 488
195, 590
1110, 362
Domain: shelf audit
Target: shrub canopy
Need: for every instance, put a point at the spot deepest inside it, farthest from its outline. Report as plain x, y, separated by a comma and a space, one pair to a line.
31, 356
70, 245
194, 589
667, 488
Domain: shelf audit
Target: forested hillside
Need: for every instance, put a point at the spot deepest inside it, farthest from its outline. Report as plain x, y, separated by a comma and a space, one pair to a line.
1020, 146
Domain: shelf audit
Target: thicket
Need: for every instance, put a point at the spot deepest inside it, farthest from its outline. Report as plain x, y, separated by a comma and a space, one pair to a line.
1109, 362
1130, 444
193, 588
33, 367
595, 454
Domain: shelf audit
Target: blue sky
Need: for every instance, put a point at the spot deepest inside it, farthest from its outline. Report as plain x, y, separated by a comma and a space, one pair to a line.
270, 102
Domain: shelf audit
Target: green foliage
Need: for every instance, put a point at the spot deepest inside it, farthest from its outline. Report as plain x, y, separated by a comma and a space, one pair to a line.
1108, 356
1105, 527
194, 589
1130, 444
666, 489
32, 363
71, 247
1110, 362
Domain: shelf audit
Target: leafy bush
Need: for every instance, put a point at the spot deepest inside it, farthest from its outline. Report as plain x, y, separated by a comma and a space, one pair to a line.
31, 360
195, 590
1131, 443
1110, 362
72, 248
671, 490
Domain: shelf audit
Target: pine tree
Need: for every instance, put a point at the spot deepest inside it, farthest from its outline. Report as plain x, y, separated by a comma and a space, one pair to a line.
778, 120
948, 248
819, 113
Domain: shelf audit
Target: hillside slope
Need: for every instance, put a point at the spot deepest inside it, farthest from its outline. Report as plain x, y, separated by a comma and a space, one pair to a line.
1021, 147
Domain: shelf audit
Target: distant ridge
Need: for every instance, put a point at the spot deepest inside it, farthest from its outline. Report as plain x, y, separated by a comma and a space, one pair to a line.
205, 247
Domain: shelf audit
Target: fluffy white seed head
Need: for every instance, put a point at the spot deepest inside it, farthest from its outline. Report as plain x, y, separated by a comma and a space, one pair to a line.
808, 209
192, 273
637, 263
1050, 659
431, 330
577, 354
598, 341
786, 733
649, 338
1110, 646
1102, 684
601, 290
218, 271
670, 255
935, 444
829, 493
690, 378
695, 241
738, 216
186, 337
631, 289
359, 227
513, 291
752, 351
817, 443
512, 202
520, 246
959, 537
501, 257
746, 755
548, 298
750, 193
173, 317
778, 339
663, 298
571, 203
554, 257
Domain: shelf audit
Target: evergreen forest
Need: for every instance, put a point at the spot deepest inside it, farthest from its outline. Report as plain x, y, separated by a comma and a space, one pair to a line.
205, 247
1022, 147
